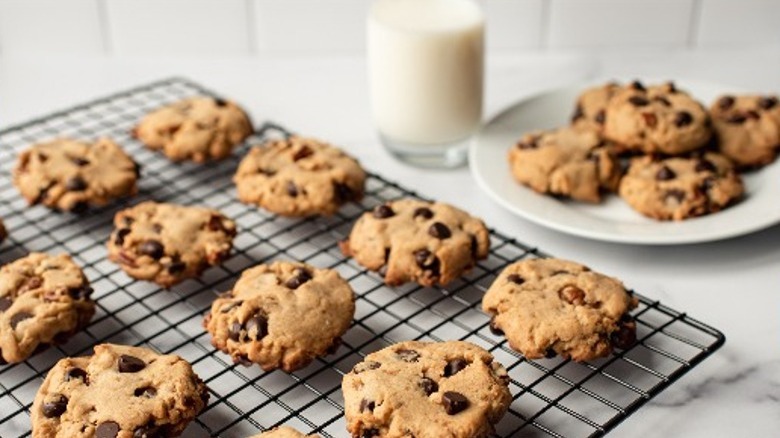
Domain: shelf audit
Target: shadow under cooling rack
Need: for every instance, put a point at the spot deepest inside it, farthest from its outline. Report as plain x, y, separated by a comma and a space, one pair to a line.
552, 397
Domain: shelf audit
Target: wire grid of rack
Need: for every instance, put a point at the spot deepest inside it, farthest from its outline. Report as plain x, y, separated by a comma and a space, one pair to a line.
552, 397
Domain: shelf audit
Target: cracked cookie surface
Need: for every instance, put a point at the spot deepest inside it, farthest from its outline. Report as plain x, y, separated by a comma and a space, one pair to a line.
299, 177
426, 390
546, 307
282, 315
118, 392
199, 129
168, 243
43, 300
412, 240
70, 175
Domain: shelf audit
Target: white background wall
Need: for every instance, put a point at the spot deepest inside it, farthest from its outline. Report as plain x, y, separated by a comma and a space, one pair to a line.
248, 27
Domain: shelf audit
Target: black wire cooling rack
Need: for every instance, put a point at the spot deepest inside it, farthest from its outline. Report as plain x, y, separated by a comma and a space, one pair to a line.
551, 396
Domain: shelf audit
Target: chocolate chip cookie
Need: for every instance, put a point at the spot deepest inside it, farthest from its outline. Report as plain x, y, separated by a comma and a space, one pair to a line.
168, 243
283, 432
43, 300
656, 119
70, 175
748, 128
591, 110
119, 392
680, 188
426, 389
199, 129
412, 240
568, 162
282, 315
299, 177
546, 307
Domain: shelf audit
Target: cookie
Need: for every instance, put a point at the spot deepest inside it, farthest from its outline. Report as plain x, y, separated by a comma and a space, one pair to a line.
657, 119
412, 240
680, 188
70, 175
168, 243
119, 392
546, 307
43, 300
199, 129
283, 432
299, 177
748, 128
282, 315
426, 389
590, 112
569, 162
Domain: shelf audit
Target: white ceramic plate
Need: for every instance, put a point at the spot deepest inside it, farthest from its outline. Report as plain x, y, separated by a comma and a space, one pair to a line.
612, 220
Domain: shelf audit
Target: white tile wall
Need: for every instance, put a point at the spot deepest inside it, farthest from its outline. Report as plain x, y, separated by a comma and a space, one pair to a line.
50, 26
239, 27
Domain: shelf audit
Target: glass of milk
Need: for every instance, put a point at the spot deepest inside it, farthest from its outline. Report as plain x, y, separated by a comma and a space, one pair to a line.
425, 62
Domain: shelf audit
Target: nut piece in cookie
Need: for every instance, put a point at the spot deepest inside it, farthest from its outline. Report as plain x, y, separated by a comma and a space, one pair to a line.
546, 307
69, 175
168, 243
43, 300
656, 119
283, 432
299, 177
569, 162
591, 109
282, 315
430, 243
748, 128
199, 129
119, 391
454, 389
681, 188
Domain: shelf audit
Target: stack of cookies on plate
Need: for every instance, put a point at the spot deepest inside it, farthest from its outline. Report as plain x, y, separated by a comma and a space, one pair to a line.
662, 151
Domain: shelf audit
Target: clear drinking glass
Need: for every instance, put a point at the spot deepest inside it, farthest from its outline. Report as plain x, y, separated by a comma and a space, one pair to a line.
425, 65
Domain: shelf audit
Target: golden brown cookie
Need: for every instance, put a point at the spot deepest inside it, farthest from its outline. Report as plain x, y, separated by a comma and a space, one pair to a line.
748, 128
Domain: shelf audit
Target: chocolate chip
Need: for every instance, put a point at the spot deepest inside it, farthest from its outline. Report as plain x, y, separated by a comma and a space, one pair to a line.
636, 85
5, 303
257, 326
707, 184
299, 277
367, 405
426, 260
736, 119
152, 248
550, 353
683, 118
343, 192
408, 355
705, 166
75, 184
665, 174
638, 101
454, 366
578, 113
664, 101
146, 392
572, 295
676, 194
531, 144
119, 236
625, 336
383, 212
767, 102
109, 429
369, 433
77, 374
650, 119
78, 161
725, 102
454, 402
365, 366
219, 102
56, 407
19, 317
439, 231
292, 190
215, 223
600, 117
130, 364
671, 87
302, 153
137, 169
80, 293
429, 386
474, 247
176, 267
494, 327
423, 212
516, 279
150, 431
234, 332
752, 115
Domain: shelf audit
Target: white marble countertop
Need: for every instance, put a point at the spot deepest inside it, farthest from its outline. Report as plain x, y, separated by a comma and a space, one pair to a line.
730, 284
